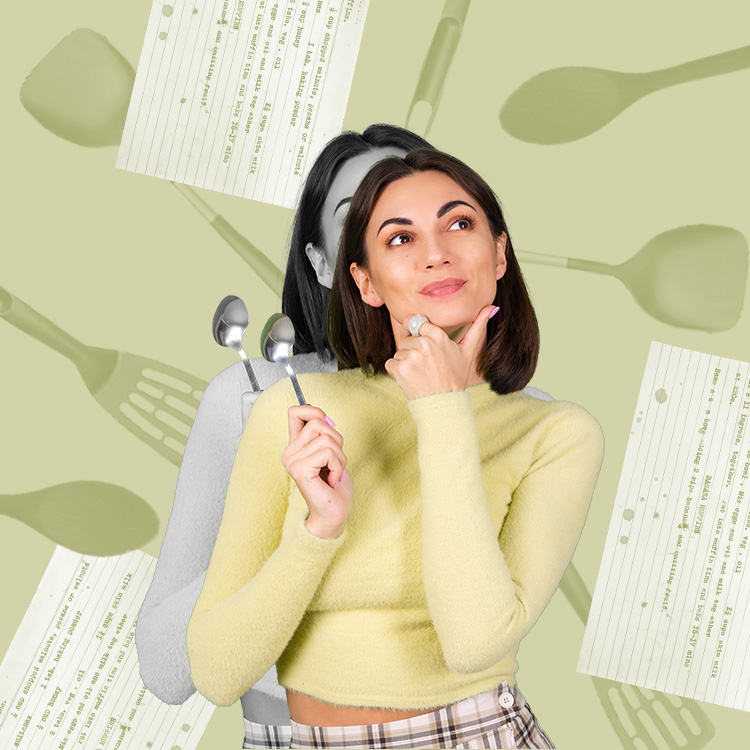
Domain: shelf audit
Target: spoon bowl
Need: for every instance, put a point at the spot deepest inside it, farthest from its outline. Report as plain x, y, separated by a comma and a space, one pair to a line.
565, 104
94, 518
276, 343
229, 326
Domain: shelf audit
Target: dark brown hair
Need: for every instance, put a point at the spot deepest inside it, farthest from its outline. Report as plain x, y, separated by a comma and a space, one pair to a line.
305, 300
362, 336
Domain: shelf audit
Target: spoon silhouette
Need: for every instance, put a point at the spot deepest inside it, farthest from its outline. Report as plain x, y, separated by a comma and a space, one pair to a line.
229, 326
95, 518
690, 277
277, 341
566, 104
80, 91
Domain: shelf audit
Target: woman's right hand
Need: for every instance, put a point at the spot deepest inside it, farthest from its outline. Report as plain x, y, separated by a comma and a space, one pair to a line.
316, 462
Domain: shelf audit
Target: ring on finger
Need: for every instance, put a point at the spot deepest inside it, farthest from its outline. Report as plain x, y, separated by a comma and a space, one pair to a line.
415, 323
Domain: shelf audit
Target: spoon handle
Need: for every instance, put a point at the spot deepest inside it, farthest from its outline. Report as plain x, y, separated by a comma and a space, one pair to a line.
576, 263
297, 389
248, 368
705, 67
263, 266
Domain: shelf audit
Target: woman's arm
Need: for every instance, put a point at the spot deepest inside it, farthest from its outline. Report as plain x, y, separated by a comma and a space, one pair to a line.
483, 596
189, 540
259, 582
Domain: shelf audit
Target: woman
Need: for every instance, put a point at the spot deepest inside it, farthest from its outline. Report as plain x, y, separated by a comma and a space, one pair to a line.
206, 464
391, 576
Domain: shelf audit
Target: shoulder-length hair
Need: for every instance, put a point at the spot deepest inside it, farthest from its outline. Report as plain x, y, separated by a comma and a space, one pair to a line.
362, 336
304, 299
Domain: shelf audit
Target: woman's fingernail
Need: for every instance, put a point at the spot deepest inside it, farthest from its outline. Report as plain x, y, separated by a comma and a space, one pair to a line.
330, 422
494, 312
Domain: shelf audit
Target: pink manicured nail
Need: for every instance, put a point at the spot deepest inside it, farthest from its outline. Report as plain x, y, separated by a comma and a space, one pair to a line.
330, 422
494, 312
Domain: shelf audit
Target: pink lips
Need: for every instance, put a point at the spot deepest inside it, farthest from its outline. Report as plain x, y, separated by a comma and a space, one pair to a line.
443, 287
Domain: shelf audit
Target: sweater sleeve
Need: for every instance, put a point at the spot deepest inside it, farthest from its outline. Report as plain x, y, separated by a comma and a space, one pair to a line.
260, 580
485, 593
189, 540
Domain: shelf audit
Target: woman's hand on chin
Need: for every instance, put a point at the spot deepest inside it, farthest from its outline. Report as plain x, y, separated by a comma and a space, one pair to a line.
433, 363
316, 462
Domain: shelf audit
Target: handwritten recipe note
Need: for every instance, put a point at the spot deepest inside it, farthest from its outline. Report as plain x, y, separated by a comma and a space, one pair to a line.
240, 95
71, 679
671, 609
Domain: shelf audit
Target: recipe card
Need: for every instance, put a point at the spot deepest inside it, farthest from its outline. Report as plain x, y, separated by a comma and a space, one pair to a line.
671, 607
70, 678
240, 96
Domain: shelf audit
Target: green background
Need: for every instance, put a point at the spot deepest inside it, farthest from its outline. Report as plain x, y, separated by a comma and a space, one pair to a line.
122, 261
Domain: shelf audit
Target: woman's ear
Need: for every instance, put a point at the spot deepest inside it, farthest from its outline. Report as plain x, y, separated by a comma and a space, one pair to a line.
501, 264
319, 261
364, 284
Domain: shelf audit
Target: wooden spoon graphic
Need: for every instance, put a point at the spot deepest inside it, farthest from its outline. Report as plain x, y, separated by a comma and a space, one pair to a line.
566, 104
94, 518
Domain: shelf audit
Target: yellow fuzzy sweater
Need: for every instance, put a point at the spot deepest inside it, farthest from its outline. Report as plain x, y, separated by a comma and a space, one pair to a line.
467, 508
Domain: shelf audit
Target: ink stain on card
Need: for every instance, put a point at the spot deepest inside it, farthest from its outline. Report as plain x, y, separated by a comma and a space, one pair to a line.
167, 10
644, 604
162, 35
628, 514
183, 100
661, 396
623, 540
186, 727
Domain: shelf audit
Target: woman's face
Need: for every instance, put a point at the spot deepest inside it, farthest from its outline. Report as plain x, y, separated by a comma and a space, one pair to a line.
336, 206
430, 250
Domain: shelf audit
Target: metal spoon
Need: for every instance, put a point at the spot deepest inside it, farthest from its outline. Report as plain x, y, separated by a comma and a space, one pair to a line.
229, 326
565, 104
277, 341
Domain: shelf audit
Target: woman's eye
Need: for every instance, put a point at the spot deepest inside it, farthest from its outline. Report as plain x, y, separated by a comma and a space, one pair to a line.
399, 239
460, 224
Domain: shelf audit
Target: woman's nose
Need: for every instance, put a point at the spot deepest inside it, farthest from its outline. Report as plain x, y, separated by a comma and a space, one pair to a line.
436, 252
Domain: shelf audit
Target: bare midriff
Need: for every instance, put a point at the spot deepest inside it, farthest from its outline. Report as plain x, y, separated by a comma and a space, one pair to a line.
305, 709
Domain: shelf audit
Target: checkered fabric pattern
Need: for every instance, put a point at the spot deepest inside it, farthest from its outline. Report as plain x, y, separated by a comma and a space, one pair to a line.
266, 736
498, 718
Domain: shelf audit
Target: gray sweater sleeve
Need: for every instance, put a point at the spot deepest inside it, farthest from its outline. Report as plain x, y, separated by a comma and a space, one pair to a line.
189, 540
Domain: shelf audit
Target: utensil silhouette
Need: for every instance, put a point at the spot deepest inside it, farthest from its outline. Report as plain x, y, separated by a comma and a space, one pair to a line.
565, 104
229, 326
690, 277
435, 68
156, 402
627, 705
80, 92
94, 518
276, 342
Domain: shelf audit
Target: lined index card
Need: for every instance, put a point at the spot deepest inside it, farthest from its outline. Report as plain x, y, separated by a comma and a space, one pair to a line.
71, 678
240, 96
671, 609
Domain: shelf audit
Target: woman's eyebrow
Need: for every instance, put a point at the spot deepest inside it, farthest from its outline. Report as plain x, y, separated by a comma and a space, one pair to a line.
342, 202
394, 220
452, 204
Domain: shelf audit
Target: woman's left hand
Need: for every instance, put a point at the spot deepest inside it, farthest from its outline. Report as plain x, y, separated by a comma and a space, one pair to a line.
432, 362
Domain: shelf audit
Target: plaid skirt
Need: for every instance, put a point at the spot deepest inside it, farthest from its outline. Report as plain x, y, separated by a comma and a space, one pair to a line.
498, 718
266, 736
